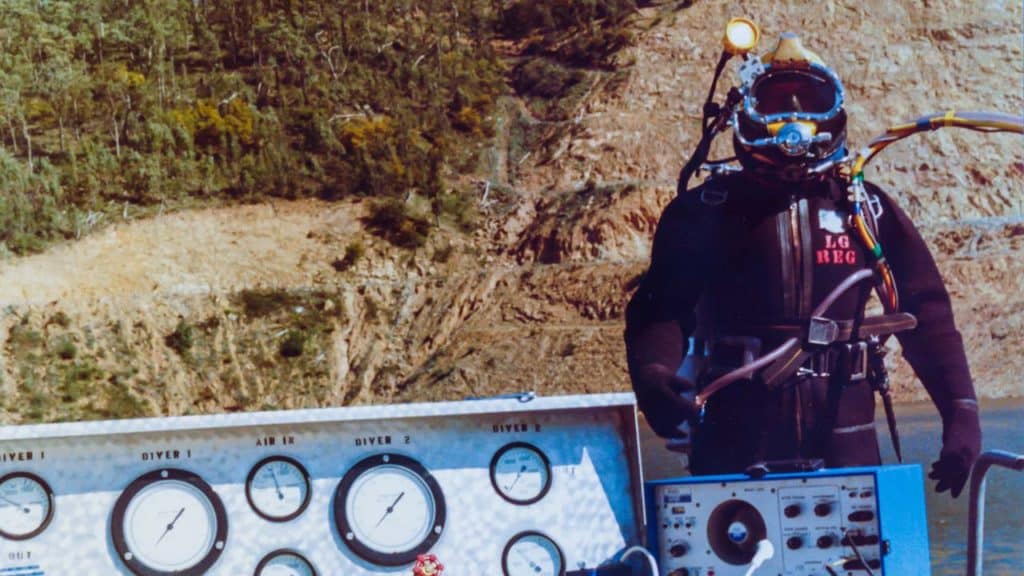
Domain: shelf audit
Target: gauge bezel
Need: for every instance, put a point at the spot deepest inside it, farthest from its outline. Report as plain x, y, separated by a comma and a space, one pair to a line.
252, 476
513, 540
343, 525
49, 512
493, 472
117, 527
283, 552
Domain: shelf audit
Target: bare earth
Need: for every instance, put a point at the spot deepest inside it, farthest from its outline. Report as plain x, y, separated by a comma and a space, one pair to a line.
534, 299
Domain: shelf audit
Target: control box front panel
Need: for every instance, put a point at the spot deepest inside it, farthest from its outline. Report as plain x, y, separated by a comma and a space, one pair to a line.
808, 524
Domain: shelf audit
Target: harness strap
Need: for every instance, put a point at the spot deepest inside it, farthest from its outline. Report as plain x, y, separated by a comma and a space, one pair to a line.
881, 325
872, 326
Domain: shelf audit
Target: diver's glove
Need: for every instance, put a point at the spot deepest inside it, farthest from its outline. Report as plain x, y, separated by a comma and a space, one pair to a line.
659, 397
961, 443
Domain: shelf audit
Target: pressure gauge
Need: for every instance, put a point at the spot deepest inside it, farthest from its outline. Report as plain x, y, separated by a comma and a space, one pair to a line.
284, 563
278, 489
388, 509
26, 506
532, 553
169, 522
521, 473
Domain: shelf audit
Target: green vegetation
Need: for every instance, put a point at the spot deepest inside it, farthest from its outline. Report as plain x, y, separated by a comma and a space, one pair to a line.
353, 253
57, 382
110, 108
568, 45
182, 339
392, 220
268, 347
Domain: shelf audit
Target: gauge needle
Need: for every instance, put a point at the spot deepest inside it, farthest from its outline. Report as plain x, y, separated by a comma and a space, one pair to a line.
24, 508
171, 525
390, 509
533, 565
518, 476
280, 495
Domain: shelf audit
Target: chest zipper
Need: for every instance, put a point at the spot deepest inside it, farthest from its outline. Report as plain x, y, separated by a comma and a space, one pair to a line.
795, 279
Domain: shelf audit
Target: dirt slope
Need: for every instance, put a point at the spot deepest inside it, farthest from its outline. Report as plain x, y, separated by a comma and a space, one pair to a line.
194, 312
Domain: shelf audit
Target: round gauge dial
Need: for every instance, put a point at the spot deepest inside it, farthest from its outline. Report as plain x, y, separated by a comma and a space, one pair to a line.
389, 509
521, 473
284, 563
169, 522
532, 553
278, 489
26, 506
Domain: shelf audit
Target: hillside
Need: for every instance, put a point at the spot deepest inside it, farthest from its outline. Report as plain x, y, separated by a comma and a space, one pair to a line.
295, 303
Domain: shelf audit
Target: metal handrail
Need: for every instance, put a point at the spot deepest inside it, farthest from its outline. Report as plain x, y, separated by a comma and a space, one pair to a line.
976, 513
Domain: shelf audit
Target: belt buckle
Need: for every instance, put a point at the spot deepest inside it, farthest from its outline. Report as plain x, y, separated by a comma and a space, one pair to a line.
858, 354
822, 331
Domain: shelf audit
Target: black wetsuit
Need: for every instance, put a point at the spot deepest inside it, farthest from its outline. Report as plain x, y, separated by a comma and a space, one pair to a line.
734, 259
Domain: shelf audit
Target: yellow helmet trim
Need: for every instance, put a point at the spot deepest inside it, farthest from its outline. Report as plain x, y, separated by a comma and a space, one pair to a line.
774, 127
790, 53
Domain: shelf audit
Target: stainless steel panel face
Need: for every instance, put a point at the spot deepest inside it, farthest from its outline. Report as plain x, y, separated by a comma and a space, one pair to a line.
592, 509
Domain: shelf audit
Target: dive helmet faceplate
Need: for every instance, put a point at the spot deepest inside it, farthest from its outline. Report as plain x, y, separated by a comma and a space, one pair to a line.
791, 122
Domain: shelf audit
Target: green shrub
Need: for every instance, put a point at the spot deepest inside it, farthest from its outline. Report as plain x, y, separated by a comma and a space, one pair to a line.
65, 348
262, 302
391, 220
78, 380
23, 338
545, 78
521, 18
120, 401
182, 339
60, 318
353, 252
293, 344
443, 254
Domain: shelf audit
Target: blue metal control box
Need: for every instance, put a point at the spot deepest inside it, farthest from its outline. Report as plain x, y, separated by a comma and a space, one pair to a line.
822, 523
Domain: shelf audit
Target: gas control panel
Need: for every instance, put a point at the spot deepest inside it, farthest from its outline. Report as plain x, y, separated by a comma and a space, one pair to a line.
810, 524
500, 487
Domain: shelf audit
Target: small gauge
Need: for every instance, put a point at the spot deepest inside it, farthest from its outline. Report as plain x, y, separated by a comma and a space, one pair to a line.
388, 509
278, 489
284, 563
521, 473
169, 522
532, 553
26, 506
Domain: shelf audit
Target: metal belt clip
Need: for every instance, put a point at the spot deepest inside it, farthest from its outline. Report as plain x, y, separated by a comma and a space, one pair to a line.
857, 354
820, 366
822, 331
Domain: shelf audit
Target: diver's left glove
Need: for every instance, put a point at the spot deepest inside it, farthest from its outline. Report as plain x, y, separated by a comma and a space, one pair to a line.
659, 397
961, 444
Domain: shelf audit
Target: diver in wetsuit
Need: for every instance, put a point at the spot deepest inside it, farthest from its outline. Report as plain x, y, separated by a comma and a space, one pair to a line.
739, 263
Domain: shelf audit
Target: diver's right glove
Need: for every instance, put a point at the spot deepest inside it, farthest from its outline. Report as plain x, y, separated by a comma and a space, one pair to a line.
961, 443
659, 397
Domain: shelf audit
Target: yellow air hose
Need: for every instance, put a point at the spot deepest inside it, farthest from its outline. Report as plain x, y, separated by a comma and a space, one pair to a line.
979, 121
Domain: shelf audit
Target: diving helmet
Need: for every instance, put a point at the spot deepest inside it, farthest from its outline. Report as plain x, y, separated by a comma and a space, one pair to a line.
790, 123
